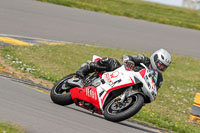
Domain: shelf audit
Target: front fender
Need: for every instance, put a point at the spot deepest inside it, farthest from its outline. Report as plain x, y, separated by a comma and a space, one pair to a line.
133, 92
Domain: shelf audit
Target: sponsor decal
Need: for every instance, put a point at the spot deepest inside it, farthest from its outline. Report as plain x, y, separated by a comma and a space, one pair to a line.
91, 93
114, 74
108, 79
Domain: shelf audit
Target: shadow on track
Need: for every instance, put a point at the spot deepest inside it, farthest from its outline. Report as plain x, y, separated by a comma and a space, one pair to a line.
120, 123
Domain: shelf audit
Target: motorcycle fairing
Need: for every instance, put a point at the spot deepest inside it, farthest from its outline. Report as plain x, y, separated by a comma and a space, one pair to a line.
97, 96
113, 80
87, 94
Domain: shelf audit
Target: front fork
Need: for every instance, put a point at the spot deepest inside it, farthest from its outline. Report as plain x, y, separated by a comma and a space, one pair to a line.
125, 95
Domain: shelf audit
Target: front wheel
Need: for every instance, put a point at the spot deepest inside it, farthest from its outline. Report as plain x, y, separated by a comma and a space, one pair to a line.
59, 95
116, 111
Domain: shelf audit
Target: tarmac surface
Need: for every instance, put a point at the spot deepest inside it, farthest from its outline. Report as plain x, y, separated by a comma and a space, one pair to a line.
34, 110
36, 113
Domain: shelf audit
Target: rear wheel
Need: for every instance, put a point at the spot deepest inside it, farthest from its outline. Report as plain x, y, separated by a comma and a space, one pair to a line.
116, 111
59, 95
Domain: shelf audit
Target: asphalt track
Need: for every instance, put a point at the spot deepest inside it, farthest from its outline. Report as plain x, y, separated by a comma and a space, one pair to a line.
43, 20
36, 113
34, 110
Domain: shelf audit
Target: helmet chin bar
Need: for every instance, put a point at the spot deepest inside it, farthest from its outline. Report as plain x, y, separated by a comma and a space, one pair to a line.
162, 67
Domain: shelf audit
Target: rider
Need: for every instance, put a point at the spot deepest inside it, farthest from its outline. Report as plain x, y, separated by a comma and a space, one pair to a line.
159, 61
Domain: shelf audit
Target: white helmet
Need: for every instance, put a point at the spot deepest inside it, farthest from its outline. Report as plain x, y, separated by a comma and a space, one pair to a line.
160, 60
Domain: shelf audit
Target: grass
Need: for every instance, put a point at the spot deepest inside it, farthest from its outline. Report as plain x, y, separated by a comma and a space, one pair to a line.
8, 128
175, 98
140, 10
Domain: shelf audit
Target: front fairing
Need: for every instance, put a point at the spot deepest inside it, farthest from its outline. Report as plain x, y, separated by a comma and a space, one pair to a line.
115, 78
120, 78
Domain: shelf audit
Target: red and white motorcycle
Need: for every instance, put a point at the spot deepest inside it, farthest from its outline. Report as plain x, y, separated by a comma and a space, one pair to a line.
118, 95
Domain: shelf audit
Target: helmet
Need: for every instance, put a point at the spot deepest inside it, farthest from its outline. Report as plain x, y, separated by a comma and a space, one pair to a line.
160, 60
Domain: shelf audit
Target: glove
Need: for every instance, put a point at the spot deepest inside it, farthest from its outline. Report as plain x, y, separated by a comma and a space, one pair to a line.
129, 65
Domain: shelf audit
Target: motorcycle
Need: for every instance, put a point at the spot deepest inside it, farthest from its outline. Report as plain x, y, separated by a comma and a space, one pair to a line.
118, 95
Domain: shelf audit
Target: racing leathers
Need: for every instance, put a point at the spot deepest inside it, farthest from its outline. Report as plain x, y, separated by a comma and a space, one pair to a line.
109, 64
104, 64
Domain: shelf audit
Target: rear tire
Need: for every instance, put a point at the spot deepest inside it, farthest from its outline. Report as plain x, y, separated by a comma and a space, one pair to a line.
125, 114
57, 96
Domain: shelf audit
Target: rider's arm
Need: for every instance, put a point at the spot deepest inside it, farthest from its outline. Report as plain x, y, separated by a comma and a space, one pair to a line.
136, 59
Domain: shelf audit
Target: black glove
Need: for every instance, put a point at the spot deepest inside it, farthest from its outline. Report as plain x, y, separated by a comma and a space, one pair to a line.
129, 65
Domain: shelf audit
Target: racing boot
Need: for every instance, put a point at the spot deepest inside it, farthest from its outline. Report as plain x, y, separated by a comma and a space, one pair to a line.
83, 71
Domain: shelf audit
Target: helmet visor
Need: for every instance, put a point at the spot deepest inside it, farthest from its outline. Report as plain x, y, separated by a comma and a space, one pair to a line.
161, 66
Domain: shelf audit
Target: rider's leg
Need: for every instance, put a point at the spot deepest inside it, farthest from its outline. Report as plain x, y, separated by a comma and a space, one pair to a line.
105, 64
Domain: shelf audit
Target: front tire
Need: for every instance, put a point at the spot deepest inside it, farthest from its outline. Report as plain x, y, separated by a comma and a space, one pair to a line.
130, 109
59, 96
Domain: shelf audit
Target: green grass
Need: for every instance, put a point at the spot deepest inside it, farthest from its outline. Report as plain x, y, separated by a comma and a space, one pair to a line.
140, 10
172, 108
8, 128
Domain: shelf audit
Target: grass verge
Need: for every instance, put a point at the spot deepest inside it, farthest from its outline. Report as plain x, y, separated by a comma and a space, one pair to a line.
140, 10
8, 128
172, 108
